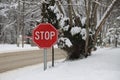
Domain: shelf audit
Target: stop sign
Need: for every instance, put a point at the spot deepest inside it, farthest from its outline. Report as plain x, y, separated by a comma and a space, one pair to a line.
45, 35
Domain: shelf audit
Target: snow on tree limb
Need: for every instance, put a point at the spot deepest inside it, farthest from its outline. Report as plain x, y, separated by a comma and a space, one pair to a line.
100, 4
61, 8
105, 15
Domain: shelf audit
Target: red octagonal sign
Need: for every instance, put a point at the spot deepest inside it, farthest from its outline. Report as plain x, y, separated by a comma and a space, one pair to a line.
45, 35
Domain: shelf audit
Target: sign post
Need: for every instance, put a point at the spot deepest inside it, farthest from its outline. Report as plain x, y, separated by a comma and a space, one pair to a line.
45, 59
52, 56
45, 36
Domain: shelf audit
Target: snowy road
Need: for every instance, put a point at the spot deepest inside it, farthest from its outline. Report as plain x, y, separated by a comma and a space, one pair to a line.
13, 60
104, 64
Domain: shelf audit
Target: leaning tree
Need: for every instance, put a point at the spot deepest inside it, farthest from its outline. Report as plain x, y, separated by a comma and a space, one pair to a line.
78, 30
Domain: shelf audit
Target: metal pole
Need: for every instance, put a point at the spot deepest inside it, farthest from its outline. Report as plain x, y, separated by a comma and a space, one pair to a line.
52, 56
45, 59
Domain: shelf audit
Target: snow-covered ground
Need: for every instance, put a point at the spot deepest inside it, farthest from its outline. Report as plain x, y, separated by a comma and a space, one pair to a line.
5, 48
104, 64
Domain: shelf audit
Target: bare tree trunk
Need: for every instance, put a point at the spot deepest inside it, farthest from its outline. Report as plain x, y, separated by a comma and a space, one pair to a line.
23, 23
18, 24
78, 22
70, 12
87, 6
103, 19
58, 3
94, 14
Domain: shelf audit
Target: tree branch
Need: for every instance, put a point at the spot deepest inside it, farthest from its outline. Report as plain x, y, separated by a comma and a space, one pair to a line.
103, 19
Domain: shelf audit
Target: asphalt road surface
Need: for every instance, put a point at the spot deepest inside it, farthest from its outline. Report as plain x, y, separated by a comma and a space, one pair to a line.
13, 60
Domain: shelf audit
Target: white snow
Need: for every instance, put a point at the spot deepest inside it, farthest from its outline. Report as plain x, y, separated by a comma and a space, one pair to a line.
118, 17
58, 16
14, 5
6, 48
104, 64
83, 33
44, 1
6, 7
3, 12
56, 10
75, 30
83, 20
62, 21
66, 28
68, 43
51, 7
64, 42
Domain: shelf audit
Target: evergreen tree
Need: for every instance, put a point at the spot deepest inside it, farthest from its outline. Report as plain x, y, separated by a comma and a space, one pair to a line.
49, 14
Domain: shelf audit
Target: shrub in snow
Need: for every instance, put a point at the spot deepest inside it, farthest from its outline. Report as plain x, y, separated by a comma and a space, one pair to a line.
72, 40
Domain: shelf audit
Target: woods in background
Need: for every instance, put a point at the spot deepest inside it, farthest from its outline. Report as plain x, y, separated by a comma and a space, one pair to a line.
82, 24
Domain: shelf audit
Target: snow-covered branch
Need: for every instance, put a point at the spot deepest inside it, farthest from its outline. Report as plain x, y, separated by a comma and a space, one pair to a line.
105, 15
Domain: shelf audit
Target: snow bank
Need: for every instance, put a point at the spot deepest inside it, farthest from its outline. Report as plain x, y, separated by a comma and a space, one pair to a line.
6, 48
102, 65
